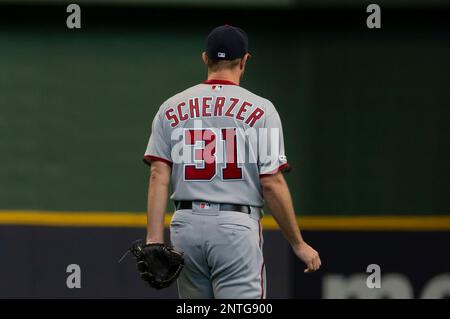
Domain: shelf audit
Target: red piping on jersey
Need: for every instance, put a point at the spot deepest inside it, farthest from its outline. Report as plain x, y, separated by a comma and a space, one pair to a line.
149, 158
280, 168
262, 266
224, 82
262, 280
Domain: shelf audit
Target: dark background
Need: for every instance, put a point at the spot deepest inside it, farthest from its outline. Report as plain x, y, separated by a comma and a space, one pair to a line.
365, 115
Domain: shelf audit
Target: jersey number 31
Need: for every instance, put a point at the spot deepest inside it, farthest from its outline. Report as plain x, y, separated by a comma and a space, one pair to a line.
205, 156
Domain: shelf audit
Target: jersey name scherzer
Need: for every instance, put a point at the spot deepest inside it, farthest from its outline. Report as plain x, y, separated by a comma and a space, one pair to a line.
219, 139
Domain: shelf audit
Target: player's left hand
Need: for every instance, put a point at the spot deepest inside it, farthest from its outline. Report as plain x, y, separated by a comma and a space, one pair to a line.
309, 256
158, 264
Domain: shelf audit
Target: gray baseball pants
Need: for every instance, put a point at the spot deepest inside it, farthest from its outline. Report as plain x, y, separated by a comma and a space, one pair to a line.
223, 253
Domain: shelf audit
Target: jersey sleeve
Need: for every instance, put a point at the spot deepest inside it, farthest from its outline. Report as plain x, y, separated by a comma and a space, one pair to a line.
271, 154
158, 148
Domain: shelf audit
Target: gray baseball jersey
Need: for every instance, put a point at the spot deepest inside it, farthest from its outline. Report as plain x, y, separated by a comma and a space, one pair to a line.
219, 139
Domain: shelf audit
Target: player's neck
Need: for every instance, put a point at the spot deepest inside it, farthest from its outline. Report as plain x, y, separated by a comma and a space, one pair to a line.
225, 75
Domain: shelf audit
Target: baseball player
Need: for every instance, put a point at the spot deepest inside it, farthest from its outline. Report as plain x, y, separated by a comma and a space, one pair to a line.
221, 149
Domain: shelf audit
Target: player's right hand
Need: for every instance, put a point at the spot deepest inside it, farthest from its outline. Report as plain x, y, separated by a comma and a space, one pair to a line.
308, 255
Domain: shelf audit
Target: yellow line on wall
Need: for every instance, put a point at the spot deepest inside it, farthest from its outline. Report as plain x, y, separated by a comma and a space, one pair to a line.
138, 220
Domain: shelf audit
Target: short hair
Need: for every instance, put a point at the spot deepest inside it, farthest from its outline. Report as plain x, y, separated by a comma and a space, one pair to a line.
217, 65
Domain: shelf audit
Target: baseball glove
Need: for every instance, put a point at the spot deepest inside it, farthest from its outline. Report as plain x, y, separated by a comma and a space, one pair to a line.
158, 264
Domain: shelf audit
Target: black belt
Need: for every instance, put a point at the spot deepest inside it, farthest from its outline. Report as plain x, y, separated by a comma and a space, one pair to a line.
183, 204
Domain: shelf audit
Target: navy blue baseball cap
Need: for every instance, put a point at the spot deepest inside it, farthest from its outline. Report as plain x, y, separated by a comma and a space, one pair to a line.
226, 43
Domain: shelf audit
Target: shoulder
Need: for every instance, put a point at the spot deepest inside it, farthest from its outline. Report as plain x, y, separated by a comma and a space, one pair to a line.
263, 103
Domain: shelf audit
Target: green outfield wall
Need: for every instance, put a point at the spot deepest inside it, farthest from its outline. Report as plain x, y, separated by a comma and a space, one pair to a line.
365, 112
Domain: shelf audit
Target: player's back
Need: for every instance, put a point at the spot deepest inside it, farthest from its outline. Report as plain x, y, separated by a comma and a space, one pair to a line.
219, 139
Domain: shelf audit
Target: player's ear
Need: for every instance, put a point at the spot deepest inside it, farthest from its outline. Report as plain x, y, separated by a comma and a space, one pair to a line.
244, 60
205, 58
